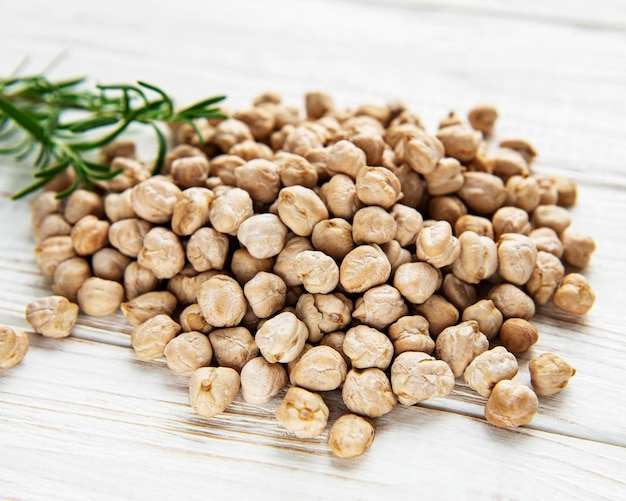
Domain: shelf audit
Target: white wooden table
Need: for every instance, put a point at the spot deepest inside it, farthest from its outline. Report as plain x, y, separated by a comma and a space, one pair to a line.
81, 418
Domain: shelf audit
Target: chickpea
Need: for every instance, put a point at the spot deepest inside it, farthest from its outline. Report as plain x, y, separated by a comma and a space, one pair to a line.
483, 193
303, 413
551, 216
368, 392
517, 256
483, 118
439, 312
190, 171
109, 263
446, 178
412, 184
567, 191
479, 225
522, 146
548, 192
52, 225
437, 246
344, 157
371, 142
148, 305
574, 295
408, 223
191, 211
207, 249
222, 301
262, 381
319, 369
233, 347
448, 208
281, 338
284, 266
83, 203
44, 204
339, 195
421, 151
546, 239
458, 345
508, 162
378, 186
224, 167
251, 150
523, 192
230, 132
154, 199
179, 151
69, 276
488, 317
488, 368
100, 297
367, 347
52, 252
295, 170
212, 390
13, 346
417, 281
162, 253
477, 259
265, 293
333, 237
318, 104
373, 225
300, 209
510, 220
127, 235
150, 338
546, 277
410, 333
396, 255
459, 293
460, 141
263, 235
512, 301
511, 404
350, 436
187, 352
363, 268
380, 306
52, 316
323, 313
229, 210
549, 373
578, 248
245, 266
318, 273
191, 319
260, 121
260, 178
416, 377
335, 341
302, 140
139, 280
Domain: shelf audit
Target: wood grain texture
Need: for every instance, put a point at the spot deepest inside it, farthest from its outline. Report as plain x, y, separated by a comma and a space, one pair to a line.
81, 418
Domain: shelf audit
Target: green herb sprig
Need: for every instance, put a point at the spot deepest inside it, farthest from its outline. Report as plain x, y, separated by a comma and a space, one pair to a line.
33, 113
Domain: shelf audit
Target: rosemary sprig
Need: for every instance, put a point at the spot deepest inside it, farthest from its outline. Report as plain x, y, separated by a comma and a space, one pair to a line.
34, 109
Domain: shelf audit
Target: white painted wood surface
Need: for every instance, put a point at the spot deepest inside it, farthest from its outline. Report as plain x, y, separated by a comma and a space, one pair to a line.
80, 418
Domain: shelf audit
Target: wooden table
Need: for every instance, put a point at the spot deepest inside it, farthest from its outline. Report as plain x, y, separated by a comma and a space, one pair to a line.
81, 418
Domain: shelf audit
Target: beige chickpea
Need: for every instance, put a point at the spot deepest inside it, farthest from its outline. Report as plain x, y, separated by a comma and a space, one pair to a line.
212, 390
488, 368
191, 211
446, 178
478, 224
408, 223
460, 141
344, 157
262, 381
350, 436
295, 170
190, 171
230, 132
191, 319
380, 306
207, 249
546, 277
224, 166
459, 344
303, 413
339, 195
69, 276
284, 266
447, 208
373, 225
477, 260
551, 216
127, 235
368, 392
138, 280
548, 192
318, 158
421, 152
437, 246
233, 347
187, 352
371, 142
522, 146
318, 104
378, 186
52, 225
162, 253
133, 173
567, 191
263, 235
368, 347
300, 209
100, 297
483, 117
281, 338
52, 252
323, 313
508, 162
396, 255
154, 199
318, 273
245, 266
412, 184
363, 268
222, 301
517, 256
483, 193
44, 204
333, 237
546, 239
185, 285
488, 317
577, 247
335, 341
511, 404
523, 192
52, 316
302, 140
512, 301
518, 335
265, 293
417, 281
13, 346
319, 369
251, 150
259, 119
510, 220
439, 312
148, 305
459, 293
109, 263
260, 178
402, 128
549, 374
82, 203
410, 333
179, 151
574, 295
229, 210
416, 377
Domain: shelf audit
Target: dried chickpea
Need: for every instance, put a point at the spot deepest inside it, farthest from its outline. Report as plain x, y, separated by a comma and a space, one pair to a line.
420, 151
477, 259
508, 162
446, 178
148, 305
52, 252
109, 263
229, 210
350, 436
459, 293
323, 313
212, 390
483, 117
417, 281
368, 392
478, 224
318, 104
13, 346
488, 317
512, 301
488, 368
295, 170
548, 193
410, 333
549, 373
52, 225
517, 256
191, 211
459, 344
546, 277
339, 195
416, 377
335, 341
187, 352
245, 266
522, 146
437, 246
284, 266
460, 141
439, 312
127, 235
265, 293
523, 192
574, 295
546, 239
318, 273
577, 247
99, 297
510, 220
222, 301
380, 306
551, 216
82, 203
162, 253
303, 413
207, 249
44, 204
371, 142
333, 237
413, 186
259, 119
190, 171
262, 381
344, 157
511, 404
368, 347
281, 338
154, 199
251, 150
260, 178
302, 140
483, 193
191, 319
229, 132
300, 209
321, 368
567, 191
224, 166
447, 208
179, 151
363, 268
69, 276
52, 316
408, 223
233, 347
139, 280
373, 225
378, 186
396, 255
263, 235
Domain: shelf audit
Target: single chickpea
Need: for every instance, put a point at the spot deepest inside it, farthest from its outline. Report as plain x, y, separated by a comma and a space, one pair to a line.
300, 209
373, 225
212, 390
260, 178
410, 333
368, 392
69, 276
191, 211
150, 338
416, 377
260, 121
488, 368
439, 312
207, 249
265, 293
302, 140
127, 235
478, 224
335, 341
378, 186
371, 142
229, 210
318, 273
284, 266
148, 305
517, 256
350, 436
222, 301
511, 404
508, 162
459, 293
417, 281
577, 248
229, 132
318, 104
437, 246
251, 150
179, 151
295, 170
319, 369
548, 192
477, 259
380, 306
245, 266
344, 157
333, 237
551, 216
510, 220
483, 193
567, 191
303, 413
52, 316
549, 374
547, 276
100, 297
546, 239
396, 255
154, 199
512, 301
339, 195
52, 225
483, 118
44, 204
13, 346
408, 223
363, 268
233, 347
447, 208
488, 317
83, 203
262, 381
52, 252
187, 352
420, 151
318, 158
412, 184
460, 141
139, 280
109, 263
224, 166
574, 295
522, 146
446, 178
263, 235
281, 338
162, 253
368, 347
323, 313
401, 130
191, 319
133, 173
523, 192
459, 344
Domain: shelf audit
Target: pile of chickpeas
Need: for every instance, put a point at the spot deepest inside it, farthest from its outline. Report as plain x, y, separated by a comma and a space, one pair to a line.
347, 249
